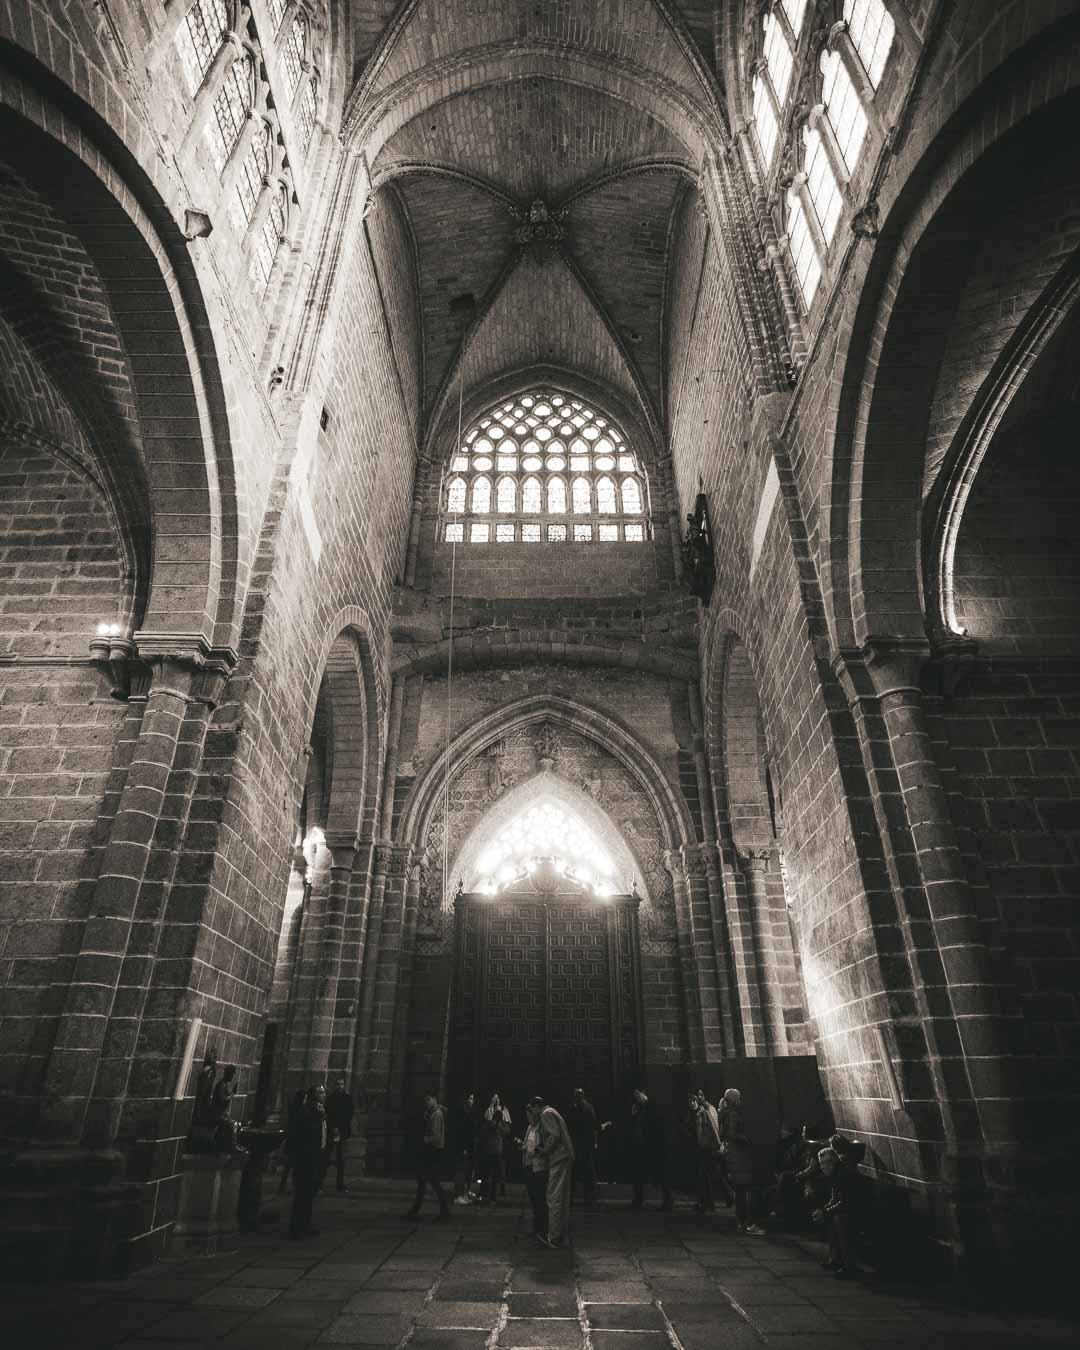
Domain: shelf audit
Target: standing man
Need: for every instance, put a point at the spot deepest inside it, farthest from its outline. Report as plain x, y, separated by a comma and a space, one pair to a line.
432, 1152
583, 1132
339, 1117
463, 1126
535, 1165
707, 1141
307, 1146
648, 1150
557, 1150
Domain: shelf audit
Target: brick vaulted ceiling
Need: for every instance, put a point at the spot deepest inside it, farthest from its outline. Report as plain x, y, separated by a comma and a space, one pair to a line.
472, 111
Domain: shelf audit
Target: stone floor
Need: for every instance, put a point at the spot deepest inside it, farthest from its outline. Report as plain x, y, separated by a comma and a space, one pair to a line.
632, 1281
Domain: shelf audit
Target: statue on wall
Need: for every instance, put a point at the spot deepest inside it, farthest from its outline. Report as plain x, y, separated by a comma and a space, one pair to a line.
548, 747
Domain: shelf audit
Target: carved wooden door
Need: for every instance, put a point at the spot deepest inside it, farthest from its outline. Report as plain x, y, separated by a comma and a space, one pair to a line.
547, 996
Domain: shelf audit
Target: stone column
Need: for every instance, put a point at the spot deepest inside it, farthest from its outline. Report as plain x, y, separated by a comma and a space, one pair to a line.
394, 862
341, 851
87, 1080
675, 864
286, 979
757, 863
952, 1038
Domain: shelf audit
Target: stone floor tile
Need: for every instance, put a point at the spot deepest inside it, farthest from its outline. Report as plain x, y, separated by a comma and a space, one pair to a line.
825, 1340
236, 1296
333, 1269
625, 1316
377, 1301
365, 1331
470, 1291
438, 1338
790, 1317
195, 1324
401, 1279
543, 1303
466, 1315
267, 1277
281, 1314
558, 1334
737, 1336
247, 1337
630, 1340
615, 1291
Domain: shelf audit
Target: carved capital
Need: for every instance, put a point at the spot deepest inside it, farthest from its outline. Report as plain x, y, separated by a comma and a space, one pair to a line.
880, 667
956, 657
393, 860
757, 858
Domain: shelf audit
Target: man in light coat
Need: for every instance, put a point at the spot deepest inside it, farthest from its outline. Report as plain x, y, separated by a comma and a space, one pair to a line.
556, 1148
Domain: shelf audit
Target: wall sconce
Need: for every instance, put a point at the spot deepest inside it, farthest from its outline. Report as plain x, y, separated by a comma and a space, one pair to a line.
113, 652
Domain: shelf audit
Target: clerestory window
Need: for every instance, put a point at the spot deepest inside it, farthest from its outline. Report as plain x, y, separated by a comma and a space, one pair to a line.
231, 108
564, 475
199, 37
872, 28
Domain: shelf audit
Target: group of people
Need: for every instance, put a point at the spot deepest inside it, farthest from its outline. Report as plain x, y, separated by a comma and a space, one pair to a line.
814, 1180
317, 1129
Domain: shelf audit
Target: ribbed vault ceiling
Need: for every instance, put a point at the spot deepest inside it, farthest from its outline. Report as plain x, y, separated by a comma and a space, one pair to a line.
499, 119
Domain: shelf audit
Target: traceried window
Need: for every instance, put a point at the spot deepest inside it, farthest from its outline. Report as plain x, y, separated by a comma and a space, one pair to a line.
276, 9
778, 57
532, 443
231, 108
803, 253
270, 237
293, 52
199, 37
795, 9
844, 108
253, 173
821, 182
546, 832
307, 112
765, 122
871, 28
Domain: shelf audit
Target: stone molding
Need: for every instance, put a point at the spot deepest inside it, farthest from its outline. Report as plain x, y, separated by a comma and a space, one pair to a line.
882, 666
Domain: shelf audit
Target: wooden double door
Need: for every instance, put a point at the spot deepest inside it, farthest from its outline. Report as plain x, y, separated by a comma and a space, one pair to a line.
547, 998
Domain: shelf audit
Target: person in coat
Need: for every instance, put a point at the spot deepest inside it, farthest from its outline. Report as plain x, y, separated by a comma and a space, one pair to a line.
464, 1124
647, 1144
556, 1148
535, 1167
704, 1124
432, 1153
494, 1127
340, 1109
835, 1211
306, 1146
738, 1154
584, 1130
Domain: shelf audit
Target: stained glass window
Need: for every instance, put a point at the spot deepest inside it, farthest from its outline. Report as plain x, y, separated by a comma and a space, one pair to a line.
199, 37
307, 112
293, 52
795, 9
822, 185
765, 121
455, 500
481, 496
479, 532
231, 109
803, 253
270, 237
844, 108
527, 442
253, 174
871, 27
777, 58
455, 532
